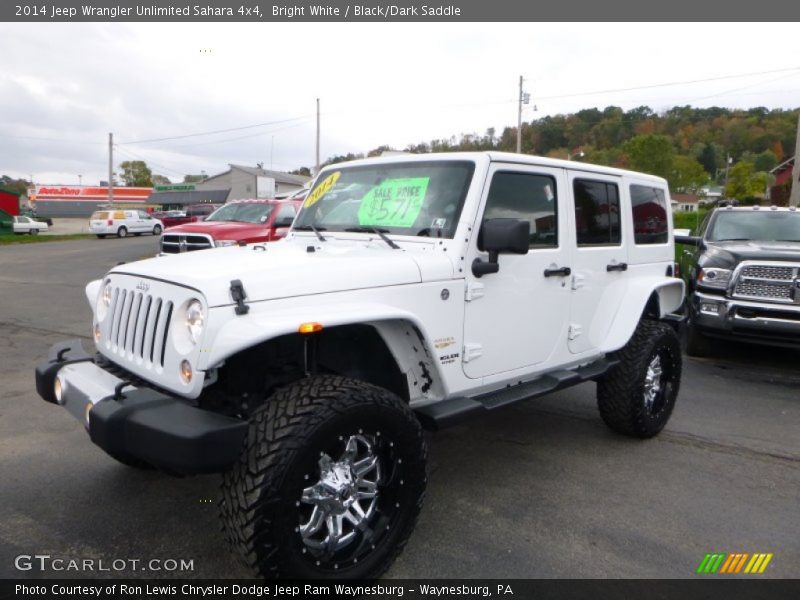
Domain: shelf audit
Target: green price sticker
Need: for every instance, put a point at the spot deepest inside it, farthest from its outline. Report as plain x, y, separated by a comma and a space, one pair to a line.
394, 203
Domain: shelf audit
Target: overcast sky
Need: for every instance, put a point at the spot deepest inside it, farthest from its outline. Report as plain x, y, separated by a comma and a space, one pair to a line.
64, 86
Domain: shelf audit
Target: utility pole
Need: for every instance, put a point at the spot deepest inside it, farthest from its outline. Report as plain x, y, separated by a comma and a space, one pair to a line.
317, 167
794, 194
524, 98
519, 117
111, 169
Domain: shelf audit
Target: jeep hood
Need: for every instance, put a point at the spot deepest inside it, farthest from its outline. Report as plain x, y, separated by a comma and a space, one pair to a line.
288, 269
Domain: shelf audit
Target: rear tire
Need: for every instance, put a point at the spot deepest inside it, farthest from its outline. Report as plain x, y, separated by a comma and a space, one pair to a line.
34, 232
157, 230
329, 484
122, 232
636, 397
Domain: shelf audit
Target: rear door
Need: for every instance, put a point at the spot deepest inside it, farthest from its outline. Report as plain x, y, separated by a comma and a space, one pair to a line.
600, 261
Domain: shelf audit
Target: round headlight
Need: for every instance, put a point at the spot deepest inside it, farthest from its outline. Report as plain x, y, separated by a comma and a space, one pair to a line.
195, 320
104, 301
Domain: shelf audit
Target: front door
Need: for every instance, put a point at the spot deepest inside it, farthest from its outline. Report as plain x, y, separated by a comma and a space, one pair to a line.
517, 317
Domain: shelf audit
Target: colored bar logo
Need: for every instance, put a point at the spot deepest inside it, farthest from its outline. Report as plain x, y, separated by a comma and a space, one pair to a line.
742, 562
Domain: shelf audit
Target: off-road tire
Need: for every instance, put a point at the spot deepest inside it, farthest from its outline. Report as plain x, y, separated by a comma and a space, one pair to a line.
122, 232
260, 498
157, 230
621, 392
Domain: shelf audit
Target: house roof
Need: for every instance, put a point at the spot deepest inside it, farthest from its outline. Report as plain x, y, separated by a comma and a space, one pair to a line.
685, 198
784, 165
189, 197
278, 176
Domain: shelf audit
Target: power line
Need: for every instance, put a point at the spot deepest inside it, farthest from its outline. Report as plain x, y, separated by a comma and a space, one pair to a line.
660, 85
188, 135
148, 161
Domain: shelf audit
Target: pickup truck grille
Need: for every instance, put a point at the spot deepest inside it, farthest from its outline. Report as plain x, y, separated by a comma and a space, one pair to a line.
771, 283
174, 243
139, 325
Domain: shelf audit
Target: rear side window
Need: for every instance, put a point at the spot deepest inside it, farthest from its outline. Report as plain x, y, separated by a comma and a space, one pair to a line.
526, 196
119, 214
99, 215
649, 205
597, 213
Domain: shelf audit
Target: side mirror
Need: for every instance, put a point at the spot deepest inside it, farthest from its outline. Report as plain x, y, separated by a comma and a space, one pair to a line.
688, 240
501, 236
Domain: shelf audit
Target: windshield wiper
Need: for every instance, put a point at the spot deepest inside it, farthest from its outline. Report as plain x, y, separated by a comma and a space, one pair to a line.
316, 230
380, 232
428, 230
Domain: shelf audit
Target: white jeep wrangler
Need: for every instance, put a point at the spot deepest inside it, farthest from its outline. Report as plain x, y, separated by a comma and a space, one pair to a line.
411, 292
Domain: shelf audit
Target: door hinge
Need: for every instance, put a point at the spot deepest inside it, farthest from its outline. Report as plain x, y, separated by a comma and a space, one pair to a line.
474, 290
574, 331
471, 352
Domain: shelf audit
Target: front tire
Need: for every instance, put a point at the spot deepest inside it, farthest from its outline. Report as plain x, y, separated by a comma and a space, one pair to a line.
122, 232
329, 484
636, 397
157, 230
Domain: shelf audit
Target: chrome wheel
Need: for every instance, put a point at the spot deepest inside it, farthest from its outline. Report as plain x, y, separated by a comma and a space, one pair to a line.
344, 499
652, 382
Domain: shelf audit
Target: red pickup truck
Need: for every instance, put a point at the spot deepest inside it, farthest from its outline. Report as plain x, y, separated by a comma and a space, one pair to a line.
247, 221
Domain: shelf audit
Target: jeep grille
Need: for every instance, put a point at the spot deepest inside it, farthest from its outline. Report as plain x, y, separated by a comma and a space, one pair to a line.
139, 325
174, 243
771, 283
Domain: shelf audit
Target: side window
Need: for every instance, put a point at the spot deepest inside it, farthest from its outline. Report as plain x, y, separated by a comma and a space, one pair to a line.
526, 196
143, 215
597, 213
649, 205
119, 214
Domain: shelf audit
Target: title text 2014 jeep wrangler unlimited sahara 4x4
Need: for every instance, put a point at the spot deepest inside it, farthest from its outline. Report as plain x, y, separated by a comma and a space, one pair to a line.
412, 291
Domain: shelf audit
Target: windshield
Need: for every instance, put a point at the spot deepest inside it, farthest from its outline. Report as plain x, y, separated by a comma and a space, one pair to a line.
242, 212
420, 198
761, 226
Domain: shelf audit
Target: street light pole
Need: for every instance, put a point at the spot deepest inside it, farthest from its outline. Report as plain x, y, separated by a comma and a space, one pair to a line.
524, 98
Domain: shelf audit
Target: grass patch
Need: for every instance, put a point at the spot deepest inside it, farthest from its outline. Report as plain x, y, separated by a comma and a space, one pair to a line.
7, 239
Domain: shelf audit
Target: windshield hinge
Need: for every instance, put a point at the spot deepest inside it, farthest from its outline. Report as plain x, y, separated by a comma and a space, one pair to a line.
238, 294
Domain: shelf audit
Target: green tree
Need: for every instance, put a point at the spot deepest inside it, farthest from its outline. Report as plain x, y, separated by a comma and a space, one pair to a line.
744, 182
195, 178
305, 171
160, 180
19, 186
687, 174
136, 173
652, 154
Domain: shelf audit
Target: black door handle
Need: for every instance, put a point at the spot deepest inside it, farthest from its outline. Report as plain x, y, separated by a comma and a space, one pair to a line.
562, 272
617, 267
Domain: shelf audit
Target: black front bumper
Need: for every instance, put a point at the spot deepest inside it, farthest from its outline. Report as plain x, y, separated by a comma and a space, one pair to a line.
139, 422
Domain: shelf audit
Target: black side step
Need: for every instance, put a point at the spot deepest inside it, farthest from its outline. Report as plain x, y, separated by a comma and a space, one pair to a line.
454, 410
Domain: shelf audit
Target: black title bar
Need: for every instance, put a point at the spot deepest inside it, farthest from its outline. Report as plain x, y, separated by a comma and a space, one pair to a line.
404, 11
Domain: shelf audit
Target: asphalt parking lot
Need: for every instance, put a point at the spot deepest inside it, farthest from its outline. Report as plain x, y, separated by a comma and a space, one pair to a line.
541, 489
